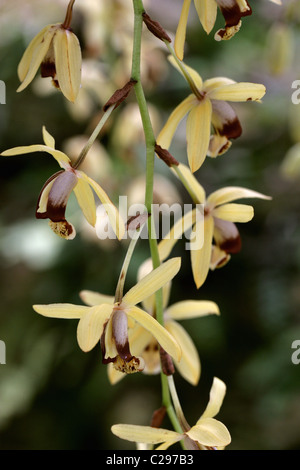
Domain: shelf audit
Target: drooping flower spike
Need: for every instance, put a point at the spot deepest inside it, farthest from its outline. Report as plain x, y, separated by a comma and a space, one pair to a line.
53, 199
208, 107
107, 321
146, 346
232, 10
207, 433
214, 233
57, 51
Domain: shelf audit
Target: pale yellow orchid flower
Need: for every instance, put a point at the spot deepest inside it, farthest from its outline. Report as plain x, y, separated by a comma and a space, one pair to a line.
207, 433
208, 107
55, 193
232, 10
57, 51
107, 321
146, 346
212, 221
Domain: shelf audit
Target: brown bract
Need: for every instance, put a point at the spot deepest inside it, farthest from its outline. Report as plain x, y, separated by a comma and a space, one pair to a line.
120, 95
155, 28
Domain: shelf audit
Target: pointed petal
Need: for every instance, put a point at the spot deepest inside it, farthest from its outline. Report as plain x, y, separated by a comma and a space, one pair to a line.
181, 29
219, 258
67, 62
86, 200
48, 139
149, 303
114, 375
198, 129
195, 189
139, 338
162, 336
207, 12
231, 193
200, 258
34, 55
233, 11
189, 365
218, 145
213, 83
152, 282
109, 343
227, 236
61, 310
145, 434
210, 432
216, 397
234, 212
94, 298
238, 92
115, 219
44, 194
196, 78
90, 327
192, 309
58, 196
167, 243
166, 134
61, 158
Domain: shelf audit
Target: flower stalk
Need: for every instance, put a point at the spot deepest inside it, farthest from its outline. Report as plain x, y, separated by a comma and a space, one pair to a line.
150, 158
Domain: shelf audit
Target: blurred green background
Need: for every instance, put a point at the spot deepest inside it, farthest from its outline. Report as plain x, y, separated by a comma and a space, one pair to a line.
54, 396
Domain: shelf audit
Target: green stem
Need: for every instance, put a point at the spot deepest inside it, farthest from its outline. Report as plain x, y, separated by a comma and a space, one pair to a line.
93, 137
150, 158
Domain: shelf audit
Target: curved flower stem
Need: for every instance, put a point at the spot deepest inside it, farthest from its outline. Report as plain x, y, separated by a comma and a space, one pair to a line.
150, 157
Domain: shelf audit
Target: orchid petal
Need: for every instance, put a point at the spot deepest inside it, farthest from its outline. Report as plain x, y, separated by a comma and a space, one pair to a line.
48, 139
86, 200
166, 245
152, 282
91, 324
198, 129
234, 212
187, 309
145, 434
238, 92
34, 55
112, 212
181, 29
189, 365
194, 75
213, 83
227, 236
231, 193
94, 298
200, 258
216, 397
166, 134
207, 12
194, 187
67, 63
61, 158
210, 432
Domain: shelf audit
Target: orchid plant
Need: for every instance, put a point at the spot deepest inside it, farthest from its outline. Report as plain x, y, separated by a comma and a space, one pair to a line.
150, 338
